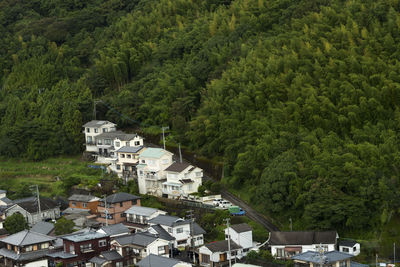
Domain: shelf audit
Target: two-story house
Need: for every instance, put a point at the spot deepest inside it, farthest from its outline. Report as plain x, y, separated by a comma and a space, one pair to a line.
217, 253
29, 208
141, 215
107, 259
286, 244
80, 247
151, 170
26, 248
94, 128
87, 202
182, 230
241, 234
326, 259
182, 180
117, 204
128, 159
137, 246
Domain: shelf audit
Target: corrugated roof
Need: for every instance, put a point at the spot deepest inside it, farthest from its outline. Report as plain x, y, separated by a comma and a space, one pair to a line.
328, 257
177, 167
25, 238
157, 261
43, 227
96, 123
240, 228
168, 220
130, 149
302, 238
142, 211
83, 198
120, 197
153, 152
115, 229
221, 246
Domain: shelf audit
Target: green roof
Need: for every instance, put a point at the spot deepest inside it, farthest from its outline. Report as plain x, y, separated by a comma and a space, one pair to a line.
152, 152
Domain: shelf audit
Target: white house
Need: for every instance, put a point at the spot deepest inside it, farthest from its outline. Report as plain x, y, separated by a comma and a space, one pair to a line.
180, 229
128, 159
241, 234
151, 170
92, 129
140, 245
142, 215
216, 253
182, 180
350, 246
286, 244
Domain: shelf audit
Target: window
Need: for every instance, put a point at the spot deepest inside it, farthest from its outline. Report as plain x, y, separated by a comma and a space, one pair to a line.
28, 248
169, 230
88, 130
44, 245
99, 142
118, 264
86, 247
179, 230
345, 249
74, 204
123, 215
279, 252
198, 174
117, 144
354, 248
118, 167
121, 204
127, 144
342, 263
137, 143
107, 142
89, 139
85, 205
96, 130
128, 156
122, 156
165, 161
200, 238
105, 130
102, 243
143, 161
71, 249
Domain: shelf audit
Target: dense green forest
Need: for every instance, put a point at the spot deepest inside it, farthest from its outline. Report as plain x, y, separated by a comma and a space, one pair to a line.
300, 98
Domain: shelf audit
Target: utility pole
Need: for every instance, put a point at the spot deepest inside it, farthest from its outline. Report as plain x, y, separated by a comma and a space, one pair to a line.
291, 224
394, 254
38, 200
229, 241
105, 209
376, 260
163, 134
180, 153
190, 215
95, 102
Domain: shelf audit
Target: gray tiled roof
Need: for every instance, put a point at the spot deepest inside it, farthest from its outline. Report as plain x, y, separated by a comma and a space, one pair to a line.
83, 235
25, 238
6, 200
197, 230
139, 239
357, 264
240, 228
221, 246
177, 167
120, 197
347, 243
111, 255
328, 257
32, 255
157, 261
43, 227
115, 229
130, 149
30, 204
117, 134
98, 260
162, 233
62, 255
168, 220
96, 123
82, 198
302, 238
142, 211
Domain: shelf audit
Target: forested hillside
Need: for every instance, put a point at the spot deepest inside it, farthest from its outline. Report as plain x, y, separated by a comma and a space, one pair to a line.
300, 98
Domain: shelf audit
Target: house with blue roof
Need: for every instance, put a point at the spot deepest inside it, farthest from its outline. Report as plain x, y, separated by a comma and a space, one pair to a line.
151, 170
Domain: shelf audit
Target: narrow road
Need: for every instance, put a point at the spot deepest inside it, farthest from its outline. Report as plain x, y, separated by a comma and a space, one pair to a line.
250, 212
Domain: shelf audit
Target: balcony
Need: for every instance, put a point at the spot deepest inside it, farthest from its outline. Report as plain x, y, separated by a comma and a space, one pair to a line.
90, 143
153, 177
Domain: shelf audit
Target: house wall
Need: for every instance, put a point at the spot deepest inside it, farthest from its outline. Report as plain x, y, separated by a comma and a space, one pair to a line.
355, 250
92, 206
33, 218
39, 263
85, 256
153, 248
314, 247
244, 239
117, 211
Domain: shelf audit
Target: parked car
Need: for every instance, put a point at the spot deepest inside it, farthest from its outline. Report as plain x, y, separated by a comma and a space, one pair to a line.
236, 211
225, 204
217, 201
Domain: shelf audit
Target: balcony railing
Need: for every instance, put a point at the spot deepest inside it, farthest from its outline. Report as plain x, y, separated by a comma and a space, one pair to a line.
90, 143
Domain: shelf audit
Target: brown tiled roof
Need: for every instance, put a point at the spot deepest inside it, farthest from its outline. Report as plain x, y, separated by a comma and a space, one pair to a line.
302, 238
177, 167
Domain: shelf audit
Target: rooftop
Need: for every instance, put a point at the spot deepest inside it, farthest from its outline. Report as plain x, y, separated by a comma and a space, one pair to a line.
328, 257
143, 211
220, 246
43, 227
115, 229
162, 233
83, 198
177, 167
241, 228
139, 239
84, 235
302, 238
158, 261
168, 220
25, 238
30, 204
105, 256
117, 134
153, 152
120, 197
347, 243
130, 149
97, 123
